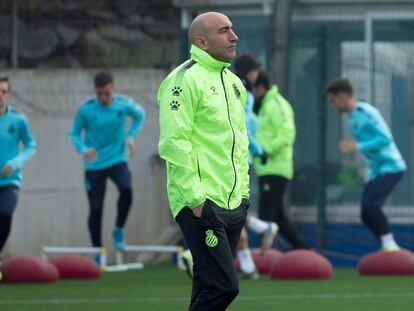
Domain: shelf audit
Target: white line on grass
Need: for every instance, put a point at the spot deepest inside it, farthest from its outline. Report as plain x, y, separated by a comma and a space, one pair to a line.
323, 296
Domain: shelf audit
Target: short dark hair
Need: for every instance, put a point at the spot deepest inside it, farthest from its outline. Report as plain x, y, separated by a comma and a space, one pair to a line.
262, 79
339, 85
244, 63
103, 78
6, 79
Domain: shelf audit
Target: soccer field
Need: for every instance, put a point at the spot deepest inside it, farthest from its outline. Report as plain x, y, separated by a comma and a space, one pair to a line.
165, 288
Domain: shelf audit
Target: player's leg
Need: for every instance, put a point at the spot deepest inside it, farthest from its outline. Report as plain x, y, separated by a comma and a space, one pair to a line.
215, 282
235, 221
95, 182
122, 177
374, 196
265, 210
268, 230
287, 230
5, 227
247, 266
8, 203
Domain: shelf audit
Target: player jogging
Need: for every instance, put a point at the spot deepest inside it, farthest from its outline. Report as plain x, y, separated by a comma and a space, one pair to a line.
372, 138
14, 130
105, 148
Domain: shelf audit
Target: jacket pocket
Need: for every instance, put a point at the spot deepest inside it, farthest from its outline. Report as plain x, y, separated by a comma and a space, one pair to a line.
208, 216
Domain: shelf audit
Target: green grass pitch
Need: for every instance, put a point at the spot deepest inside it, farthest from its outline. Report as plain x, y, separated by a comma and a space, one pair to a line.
159, 288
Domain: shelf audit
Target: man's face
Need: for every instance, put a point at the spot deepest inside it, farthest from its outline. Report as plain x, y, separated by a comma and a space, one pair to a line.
4, 95
221, 39
339, 101
104, 94
252, 75
259, 91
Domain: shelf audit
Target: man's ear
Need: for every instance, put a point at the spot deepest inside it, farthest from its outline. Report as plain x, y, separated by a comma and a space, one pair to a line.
201, 42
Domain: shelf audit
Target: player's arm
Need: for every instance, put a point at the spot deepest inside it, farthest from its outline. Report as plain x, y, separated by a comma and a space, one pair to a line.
285, 131
137, 113
176, 125
29, 146
76, 132
254, 147
378, 136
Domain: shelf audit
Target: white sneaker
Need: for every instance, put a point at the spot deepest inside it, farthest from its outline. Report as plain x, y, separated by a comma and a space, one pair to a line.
249, 276
186, 263
268, 237
391, 248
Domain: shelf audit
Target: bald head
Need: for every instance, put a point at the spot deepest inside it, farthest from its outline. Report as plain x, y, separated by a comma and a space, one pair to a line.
213, 33
201, 25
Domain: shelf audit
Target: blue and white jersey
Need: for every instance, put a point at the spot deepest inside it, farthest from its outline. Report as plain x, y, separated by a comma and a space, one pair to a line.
104, 129
374, 140
251, 125
14, 130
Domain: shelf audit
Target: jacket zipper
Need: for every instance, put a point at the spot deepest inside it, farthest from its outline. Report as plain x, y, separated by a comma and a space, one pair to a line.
198, 169
234, 138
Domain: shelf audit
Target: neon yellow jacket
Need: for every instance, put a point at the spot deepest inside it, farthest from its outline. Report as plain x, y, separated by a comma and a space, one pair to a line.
276, 134
203, 134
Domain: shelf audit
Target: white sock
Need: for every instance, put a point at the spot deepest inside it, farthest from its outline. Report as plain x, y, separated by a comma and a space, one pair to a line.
246, 260
256, 225
387, 241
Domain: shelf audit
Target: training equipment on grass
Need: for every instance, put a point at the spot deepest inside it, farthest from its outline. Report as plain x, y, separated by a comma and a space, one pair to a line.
76, 267
173, 249
28, 269
101, 251
301, 264
124, 267
120, 265
387, 263
262, 262
265, 261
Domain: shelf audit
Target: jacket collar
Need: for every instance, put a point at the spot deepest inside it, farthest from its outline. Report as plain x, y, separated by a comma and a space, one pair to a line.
271, 92
204, 59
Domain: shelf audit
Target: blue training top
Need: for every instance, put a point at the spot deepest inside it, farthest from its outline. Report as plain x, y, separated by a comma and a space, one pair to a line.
251, 125
374, 140
14, 129
104, 128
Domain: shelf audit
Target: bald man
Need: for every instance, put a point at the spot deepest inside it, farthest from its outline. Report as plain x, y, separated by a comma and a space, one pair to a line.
204, 142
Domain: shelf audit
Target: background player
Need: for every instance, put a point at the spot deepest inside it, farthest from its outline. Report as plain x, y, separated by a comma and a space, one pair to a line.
276, 134
105, 149
371, 137
14, 129
247, 69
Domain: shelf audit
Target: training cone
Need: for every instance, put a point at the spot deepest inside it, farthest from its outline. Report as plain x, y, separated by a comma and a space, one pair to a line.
265, 261
301, 264
28, 269
262, 262
399, 262
76, 267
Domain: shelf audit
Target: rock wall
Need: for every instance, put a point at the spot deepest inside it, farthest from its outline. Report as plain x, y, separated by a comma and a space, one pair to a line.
91, 34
